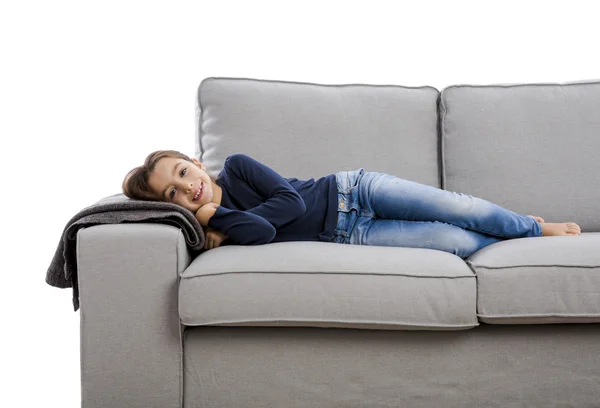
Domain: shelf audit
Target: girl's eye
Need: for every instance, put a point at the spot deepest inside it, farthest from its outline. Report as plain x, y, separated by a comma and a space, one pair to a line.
182, 173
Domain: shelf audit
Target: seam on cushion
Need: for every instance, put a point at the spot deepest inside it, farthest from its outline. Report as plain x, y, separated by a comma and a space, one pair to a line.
326, 85
533, 266
181, 354
331, 273
179, 323
82, 325
201, 120
539, 84
539, 315
198, 118
337, 321
443, 109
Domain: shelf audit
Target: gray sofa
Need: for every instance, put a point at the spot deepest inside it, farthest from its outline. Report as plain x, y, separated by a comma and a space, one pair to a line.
318, 324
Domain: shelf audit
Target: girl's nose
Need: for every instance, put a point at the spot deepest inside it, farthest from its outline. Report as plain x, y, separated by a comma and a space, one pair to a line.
183, 186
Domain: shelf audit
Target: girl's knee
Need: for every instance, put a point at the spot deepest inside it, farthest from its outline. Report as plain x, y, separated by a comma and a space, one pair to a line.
457, 241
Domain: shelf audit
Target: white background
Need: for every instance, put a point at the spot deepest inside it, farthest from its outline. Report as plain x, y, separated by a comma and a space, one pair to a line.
88, 89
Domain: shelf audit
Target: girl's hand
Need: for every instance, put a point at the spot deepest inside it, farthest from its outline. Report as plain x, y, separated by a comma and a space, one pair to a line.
204, 213
213, 238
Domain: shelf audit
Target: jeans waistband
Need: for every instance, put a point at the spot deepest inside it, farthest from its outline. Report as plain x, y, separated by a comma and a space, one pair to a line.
347, 186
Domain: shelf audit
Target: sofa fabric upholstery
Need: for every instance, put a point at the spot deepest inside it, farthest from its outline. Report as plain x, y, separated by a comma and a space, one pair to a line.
131, 335
490, 366
531, 148
308, 130
540, 280
320, 284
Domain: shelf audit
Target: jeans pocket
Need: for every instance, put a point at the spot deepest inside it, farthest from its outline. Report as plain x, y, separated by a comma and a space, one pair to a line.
348, 181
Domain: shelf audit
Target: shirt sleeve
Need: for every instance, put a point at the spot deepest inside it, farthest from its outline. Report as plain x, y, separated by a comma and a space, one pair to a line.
280, 204
242, 228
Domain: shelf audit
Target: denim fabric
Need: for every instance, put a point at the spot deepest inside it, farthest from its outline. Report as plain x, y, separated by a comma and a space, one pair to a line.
384, 210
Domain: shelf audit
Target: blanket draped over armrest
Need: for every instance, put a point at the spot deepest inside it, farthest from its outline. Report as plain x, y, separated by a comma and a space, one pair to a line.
114, 209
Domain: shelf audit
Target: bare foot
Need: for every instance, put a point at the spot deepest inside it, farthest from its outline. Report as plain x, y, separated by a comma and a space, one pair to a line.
558, 229
538, 219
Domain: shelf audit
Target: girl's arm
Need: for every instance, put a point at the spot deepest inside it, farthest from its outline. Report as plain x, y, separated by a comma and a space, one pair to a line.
241, 227
253, 181
281, 203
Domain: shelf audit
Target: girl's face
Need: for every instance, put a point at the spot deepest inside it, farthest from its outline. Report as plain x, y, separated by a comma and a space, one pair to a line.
178, 181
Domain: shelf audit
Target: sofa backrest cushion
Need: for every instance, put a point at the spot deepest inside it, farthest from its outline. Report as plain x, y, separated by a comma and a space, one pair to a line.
306, 130
531, 148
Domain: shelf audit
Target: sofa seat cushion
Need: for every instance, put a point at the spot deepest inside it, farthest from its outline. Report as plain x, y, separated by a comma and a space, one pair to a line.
539, 280
323, 284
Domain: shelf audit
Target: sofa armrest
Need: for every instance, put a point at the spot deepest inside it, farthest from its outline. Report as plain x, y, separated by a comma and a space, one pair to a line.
131, 336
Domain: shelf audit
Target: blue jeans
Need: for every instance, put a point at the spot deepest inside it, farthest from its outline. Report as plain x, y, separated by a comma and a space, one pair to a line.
384, 210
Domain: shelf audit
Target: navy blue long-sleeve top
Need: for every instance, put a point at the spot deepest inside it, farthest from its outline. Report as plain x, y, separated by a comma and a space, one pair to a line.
258, 206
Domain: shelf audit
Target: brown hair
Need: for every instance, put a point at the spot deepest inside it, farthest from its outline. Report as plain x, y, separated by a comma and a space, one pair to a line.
135, 184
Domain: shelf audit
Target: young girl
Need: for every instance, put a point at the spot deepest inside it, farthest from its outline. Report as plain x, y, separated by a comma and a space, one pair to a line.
250, 204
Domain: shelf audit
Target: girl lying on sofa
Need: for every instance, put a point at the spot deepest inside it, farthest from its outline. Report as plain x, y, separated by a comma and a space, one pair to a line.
251, 204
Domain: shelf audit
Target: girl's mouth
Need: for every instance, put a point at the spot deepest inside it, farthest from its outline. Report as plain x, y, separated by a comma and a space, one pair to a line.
199, 193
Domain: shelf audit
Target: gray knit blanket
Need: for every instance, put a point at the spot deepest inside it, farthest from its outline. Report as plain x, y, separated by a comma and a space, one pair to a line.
115, 209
